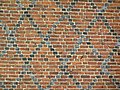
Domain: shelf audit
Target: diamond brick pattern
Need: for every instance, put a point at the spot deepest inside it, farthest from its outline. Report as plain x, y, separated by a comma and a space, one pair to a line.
59, 45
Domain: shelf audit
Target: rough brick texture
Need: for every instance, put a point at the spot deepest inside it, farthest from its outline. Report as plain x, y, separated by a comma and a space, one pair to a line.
59, 44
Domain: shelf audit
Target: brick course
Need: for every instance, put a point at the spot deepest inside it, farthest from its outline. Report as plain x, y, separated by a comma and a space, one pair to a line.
59, 44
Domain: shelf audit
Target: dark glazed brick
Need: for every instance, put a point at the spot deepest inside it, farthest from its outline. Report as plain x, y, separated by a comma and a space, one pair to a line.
70, 76
59, 44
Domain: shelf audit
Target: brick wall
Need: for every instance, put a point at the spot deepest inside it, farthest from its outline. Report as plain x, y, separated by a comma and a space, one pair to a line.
59, 44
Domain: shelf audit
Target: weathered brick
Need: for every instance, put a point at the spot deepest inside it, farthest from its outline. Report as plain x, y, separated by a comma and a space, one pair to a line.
59, 44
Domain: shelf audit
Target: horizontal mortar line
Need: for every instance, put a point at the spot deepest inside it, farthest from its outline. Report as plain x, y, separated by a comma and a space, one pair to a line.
21, 5
105, 8
108, 47
73, 1
22, 54
21, 71
59, 73
10, 37
108, 73
24, 69
29, 14
108, 25
61, 6
15, 25
62, 17
94, 4
23, 57
56, 51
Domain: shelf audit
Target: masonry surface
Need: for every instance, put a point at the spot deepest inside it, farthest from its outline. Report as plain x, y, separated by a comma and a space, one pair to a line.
59, 44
